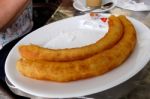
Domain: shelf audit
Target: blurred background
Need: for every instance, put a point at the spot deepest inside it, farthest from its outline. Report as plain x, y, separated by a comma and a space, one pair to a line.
42, 10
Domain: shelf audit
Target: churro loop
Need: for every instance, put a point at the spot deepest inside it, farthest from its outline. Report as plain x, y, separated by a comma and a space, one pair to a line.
81, 69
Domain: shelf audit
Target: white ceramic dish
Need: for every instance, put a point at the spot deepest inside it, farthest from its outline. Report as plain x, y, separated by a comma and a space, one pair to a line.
134, 5
129, 68
80, 5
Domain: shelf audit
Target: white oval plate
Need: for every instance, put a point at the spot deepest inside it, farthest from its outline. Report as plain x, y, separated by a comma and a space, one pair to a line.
129, 68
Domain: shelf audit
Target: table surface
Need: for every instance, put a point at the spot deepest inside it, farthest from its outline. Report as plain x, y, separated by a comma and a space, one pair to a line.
136, 87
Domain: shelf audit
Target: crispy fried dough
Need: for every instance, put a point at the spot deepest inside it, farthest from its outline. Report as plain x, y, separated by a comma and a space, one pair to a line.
81, 69
34, 52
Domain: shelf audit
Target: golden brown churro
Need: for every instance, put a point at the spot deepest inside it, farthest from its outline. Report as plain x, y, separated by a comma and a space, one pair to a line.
81, 69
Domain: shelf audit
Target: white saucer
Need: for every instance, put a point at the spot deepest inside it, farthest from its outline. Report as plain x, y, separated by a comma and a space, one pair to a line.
133, 5
80, 5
